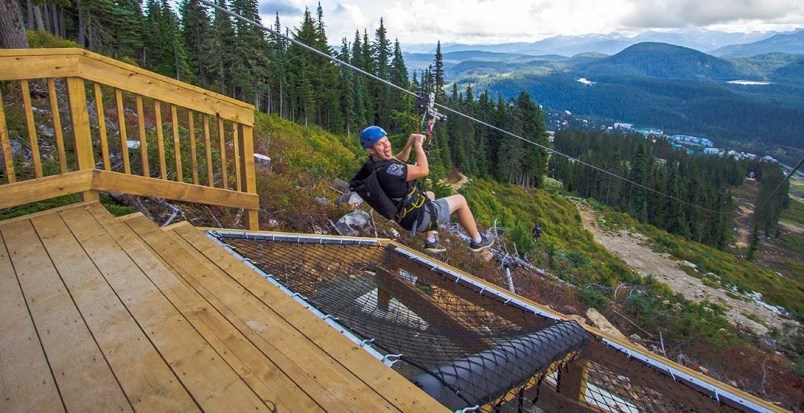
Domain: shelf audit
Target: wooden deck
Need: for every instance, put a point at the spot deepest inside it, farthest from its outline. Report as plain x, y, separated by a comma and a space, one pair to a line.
106, 314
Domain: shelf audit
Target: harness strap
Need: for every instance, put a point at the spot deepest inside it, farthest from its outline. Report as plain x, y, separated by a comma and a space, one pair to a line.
414, 200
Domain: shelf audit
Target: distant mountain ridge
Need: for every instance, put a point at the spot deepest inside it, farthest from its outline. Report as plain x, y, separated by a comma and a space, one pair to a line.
698, 39
662, 61
792, 43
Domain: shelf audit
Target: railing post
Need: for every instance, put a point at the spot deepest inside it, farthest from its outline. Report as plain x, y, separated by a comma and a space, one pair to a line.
83, 136
249, 184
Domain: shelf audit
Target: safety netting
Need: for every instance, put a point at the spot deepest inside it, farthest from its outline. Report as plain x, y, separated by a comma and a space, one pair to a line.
470, 345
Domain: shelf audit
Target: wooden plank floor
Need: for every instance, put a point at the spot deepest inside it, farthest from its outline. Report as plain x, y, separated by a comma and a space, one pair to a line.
105, 314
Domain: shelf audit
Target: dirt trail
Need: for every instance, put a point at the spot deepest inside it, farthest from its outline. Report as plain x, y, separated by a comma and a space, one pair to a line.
633, 248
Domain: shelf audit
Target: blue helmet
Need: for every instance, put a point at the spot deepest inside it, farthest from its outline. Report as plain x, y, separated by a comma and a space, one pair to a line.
371, 135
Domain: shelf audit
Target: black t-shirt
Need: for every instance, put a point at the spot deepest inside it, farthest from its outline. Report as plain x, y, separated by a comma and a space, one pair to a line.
392, 175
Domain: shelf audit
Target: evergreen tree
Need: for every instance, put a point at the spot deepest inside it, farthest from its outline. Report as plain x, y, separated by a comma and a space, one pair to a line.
218, 49
485, 112
770, 204
639, 175
359, 89
249, 70
381, 53
369, 66
534, 163
195, 29
346, 78
326, 81
127, 26
400, 103
91, 31
510, 152
438, 73
278, 56
436, 79
658, 204
302, 72
163, 43
462, 134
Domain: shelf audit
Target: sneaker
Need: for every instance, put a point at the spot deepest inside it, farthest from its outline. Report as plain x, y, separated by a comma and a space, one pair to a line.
434, 246
483, 244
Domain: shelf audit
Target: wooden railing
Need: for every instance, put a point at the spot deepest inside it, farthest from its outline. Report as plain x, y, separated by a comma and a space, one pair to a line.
72, 121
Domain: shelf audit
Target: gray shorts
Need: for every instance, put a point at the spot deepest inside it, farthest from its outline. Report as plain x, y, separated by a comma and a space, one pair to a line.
442, 214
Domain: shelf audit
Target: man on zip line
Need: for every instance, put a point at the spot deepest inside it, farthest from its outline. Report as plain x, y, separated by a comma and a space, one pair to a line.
417, 210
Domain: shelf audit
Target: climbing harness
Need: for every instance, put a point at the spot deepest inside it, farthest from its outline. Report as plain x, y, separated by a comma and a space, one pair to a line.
405, 211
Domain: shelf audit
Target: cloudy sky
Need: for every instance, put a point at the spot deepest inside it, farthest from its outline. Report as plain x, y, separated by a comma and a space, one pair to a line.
498, 21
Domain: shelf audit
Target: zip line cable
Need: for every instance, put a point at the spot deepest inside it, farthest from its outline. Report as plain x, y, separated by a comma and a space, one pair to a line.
461, 114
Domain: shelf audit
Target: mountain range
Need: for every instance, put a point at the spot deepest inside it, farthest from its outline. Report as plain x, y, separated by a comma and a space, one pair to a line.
792, 43
713, 42
736, 99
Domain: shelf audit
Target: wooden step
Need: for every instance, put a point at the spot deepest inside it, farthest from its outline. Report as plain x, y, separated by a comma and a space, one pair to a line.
153, 295
264, 368
380, 379
28, 384
98, 355
333, 385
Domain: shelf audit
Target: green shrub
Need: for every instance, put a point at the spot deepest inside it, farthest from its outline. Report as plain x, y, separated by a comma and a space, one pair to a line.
43, 39
594, 298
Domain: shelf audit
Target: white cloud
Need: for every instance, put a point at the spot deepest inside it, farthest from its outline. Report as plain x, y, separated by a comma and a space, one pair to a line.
496, 21
686, 13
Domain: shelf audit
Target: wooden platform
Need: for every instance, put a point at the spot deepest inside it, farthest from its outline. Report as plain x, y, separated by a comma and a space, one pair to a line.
106, 314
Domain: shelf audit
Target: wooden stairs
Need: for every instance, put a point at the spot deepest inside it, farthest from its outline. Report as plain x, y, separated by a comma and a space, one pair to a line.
116, 314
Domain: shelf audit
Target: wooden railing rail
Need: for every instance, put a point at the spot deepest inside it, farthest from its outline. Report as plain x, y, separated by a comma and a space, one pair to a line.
69, 115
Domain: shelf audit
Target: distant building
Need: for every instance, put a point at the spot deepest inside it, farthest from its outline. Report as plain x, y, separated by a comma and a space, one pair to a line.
621, 125
649, 131
711, 151
691, 140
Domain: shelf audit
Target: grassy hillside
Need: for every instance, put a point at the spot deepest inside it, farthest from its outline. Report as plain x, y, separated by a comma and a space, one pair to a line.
733, 273
564, 246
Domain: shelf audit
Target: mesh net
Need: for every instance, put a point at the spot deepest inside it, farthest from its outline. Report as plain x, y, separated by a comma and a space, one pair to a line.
464, 343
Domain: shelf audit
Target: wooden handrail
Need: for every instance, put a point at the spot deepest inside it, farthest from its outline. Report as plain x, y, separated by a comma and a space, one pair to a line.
95, 105
20, 64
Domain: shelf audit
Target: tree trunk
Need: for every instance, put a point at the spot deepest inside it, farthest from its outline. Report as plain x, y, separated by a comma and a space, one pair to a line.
82, 31
12, 30
40, 23
29, 22
51, 11
62, 28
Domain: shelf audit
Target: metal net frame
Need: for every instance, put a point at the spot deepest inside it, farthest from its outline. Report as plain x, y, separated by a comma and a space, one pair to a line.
469, 345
